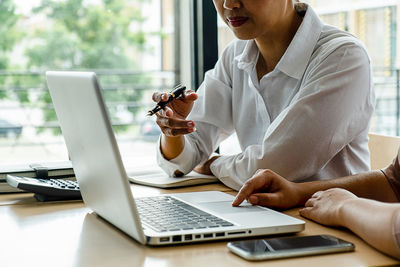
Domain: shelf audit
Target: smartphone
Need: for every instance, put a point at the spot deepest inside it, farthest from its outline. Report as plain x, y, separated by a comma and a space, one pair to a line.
286, 247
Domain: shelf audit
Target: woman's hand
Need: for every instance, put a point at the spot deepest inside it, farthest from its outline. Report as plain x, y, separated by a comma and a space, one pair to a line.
266, 188
205, 168
325, 206
172, 121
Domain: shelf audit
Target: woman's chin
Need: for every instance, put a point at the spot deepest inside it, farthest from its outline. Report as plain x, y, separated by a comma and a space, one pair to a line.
243, 35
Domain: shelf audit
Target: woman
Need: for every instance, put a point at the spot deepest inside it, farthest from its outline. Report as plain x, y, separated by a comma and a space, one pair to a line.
295, 91
365, 211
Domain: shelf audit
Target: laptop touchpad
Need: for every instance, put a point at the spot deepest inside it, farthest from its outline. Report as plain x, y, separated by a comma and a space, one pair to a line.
224, 207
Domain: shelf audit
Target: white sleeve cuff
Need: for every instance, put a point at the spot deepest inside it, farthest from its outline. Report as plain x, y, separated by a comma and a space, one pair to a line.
182, 163
219, 171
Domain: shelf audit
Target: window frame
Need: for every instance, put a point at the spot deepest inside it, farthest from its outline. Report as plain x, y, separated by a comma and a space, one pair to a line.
204, 39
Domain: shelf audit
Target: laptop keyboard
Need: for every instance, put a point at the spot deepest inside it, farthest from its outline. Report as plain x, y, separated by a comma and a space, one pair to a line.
165, 213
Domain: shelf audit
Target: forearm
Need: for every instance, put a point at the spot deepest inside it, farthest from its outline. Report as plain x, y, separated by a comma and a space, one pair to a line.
194, 149
377, 230
171, 147
363, 185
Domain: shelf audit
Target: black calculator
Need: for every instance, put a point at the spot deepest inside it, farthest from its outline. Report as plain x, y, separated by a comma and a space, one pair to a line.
47, 189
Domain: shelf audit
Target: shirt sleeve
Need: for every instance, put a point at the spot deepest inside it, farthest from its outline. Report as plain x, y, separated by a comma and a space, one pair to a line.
198, 148
200, 144
333, 107
179, 165
392, 173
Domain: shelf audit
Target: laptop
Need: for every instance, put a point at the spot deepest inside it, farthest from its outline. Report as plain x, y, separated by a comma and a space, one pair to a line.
160, 220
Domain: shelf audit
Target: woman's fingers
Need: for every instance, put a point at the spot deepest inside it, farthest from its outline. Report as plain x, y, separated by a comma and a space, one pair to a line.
249, 187
310, 202
159, 97
167, 122
305, 212
171, 126
176, 132
189, 96
317, 194
172, 118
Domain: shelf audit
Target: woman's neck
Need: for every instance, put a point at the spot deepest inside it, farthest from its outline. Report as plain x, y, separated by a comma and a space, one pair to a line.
273, 44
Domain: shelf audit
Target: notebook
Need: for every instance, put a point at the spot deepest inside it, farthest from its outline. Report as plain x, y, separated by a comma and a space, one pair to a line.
160, 220
161, 180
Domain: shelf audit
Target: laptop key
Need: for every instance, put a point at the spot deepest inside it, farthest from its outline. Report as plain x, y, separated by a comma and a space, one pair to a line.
164, 213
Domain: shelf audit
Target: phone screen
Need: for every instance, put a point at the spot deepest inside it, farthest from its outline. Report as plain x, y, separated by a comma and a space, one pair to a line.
289, 246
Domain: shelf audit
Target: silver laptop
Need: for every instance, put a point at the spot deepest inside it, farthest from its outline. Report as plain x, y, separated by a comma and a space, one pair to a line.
161, 220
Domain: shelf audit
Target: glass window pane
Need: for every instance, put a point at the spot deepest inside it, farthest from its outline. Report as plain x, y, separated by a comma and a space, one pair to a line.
375, 23
130, 44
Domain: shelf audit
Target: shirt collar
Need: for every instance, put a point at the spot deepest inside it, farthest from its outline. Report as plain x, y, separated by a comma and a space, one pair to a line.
249, 55
295, 60
297, 55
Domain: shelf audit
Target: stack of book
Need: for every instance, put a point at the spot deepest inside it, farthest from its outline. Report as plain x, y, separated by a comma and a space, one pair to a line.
62, 169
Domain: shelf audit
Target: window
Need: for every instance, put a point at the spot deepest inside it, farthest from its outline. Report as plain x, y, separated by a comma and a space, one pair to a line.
130, 44
374, 22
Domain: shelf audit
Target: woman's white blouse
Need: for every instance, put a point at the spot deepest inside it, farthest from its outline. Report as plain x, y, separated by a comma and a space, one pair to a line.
308, 119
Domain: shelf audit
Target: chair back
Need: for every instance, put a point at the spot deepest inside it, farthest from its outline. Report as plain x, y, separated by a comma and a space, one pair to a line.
383, 149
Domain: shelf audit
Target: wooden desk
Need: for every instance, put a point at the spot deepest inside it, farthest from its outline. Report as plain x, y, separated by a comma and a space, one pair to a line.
66, 234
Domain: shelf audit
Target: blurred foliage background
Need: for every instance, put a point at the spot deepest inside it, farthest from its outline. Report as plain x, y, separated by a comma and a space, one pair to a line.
75, 35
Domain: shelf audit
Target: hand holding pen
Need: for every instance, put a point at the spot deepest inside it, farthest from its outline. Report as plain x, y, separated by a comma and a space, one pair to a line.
176, 92
172, 109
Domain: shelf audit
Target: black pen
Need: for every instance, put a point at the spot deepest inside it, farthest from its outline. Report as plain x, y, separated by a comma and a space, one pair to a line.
176, 92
